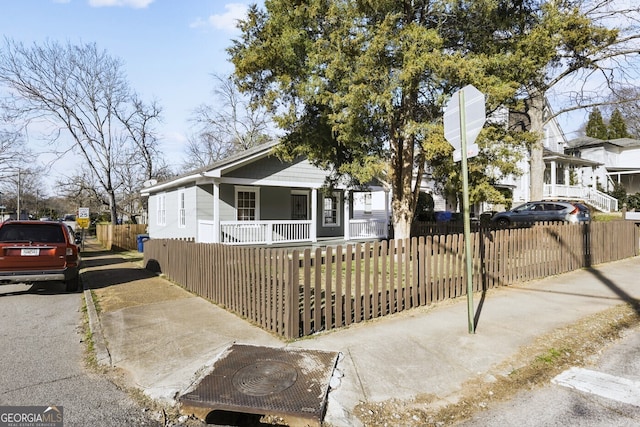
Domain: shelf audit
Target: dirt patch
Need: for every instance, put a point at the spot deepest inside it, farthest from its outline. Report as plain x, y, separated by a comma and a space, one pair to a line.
134, 293
532, 367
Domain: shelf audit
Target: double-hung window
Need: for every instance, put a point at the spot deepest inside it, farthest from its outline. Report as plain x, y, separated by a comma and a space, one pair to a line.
182, 215
247, 203
161, 210
367, 203
331, 210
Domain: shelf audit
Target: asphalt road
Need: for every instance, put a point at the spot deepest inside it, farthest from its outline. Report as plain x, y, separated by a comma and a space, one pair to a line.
605, 394
42, 360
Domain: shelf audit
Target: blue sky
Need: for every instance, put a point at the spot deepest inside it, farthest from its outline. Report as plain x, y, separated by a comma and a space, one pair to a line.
169, 47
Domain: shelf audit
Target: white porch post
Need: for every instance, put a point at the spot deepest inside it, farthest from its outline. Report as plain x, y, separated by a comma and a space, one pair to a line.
314, 215
553, 178
346, 215
567, 176
386, 214
216, 212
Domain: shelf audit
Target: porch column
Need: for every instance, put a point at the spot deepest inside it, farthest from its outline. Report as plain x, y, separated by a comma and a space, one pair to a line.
386, 214
553, 178
567, 176
346, 215
314, 215
216, 212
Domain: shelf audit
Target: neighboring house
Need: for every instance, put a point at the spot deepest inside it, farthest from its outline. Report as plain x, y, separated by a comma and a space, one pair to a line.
566, 176
255, 198
618, 161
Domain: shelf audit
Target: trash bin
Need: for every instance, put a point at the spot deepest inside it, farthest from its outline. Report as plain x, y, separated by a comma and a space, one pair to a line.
141, 238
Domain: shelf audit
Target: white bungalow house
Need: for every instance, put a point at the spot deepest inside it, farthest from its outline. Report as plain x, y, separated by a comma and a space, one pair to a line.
255, 198
618, 161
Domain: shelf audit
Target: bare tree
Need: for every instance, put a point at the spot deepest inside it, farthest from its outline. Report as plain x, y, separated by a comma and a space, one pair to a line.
84, 92
229, 125
627, 100
82, 190
594, 46
13, 150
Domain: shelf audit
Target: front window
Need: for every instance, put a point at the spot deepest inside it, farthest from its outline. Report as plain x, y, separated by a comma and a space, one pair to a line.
331, 210
247, 204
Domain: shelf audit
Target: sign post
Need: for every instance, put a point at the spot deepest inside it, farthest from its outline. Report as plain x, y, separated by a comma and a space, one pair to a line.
463, 120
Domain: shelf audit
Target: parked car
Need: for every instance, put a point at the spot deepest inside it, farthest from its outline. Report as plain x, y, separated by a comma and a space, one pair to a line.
538, 211
585, 213
70, 220
38, 251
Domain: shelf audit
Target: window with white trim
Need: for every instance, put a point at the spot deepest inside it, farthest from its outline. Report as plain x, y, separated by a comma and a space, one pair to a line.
182, 215
247, 203
331, 209
161, 212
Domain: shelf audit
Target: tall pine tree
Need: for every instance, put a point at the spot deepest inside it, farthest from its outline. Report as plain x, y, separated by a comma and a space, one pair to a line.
596, 128
617, 126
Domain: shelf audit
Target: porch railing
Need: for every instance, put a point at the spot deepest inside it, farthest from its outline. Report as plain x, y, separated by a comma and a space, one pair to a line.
264, 232
595, 198
603, 201
289, 231
368, 228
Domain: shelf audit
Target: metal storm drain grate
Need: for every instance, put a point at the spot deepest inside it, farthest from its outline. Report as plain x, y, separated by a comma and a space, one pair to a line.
287, 383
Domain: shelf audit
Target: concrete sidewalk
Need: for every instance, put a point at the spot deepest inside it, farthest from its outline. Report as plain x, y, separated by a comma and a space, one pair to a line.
165, 337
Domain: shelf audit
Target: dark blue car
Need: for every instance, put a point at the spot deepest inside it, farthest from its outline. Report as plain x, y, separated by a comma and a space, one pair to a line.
542, 211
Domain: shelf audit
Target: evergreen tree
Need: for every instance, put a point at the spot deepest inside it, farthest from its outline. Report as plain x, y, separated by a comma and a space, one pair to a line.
359, 87
596, 128
617, 126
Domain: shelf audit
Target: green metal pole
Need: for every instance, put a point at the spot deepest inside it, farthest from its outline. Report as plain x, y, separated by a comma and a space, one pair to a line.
466, 214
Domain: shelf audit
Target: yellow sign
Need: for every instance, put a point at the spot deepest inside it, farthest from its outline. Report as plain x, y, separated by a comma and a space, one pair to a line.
83, 222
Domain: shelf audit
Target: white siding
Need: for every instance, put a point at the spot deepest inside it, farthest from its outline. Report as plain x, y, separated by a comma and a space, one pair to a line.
172, 229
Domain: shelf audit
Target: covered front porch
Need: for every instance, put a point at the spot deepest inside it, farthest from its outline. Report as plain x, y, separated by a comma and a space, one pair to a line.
573, 178
311, 214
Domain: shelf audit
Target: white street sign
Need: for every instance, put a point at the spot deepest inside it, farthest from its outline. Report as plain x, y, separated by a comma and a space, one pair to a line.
474, 115
83, 212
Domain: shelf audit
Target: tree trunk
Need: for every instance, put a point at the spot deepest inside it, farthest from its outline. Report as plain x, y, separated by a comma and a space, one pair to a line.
535, 110
112, 207
402, 202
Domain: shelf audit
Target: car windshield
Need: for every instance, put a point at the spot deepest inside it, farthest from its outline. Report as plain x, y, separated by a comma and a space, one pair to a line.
32, 233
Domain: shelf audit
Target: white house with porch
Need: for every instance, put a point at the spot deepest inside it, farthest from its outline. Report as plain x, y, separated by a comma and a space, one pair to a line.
255, 198
618, 161
566, 177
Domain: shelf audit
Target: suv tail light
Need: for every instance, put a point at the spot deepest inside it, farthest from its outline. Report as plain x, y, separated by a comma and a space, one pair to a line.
575, 211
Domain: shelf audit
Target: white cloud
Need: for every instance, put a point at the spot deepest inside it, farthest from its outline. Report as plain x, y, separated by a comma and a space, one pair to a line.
135, 4
225, 21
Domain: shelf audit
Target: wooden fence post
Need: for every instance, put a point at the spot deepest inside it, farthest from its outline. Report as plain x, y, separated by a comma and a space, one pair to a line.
293, 300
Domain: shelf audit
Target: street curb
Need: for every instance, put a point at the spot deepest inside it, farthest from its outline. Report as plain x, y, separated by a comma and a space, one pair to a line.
99, 344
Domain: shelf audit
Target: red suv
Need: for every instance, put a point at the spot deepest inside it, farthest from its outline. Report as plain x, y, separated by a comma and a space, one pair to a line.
38, 251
